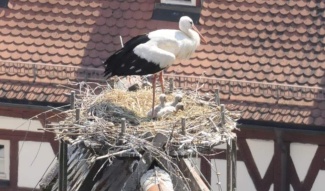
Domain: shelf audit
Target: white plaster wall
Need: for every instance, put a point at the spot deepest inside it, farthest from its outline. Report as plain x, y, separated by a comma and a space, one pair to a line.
319, 182
262, 152
244, 182
271, 187
29, 172
301, 155
218, 166
19, 124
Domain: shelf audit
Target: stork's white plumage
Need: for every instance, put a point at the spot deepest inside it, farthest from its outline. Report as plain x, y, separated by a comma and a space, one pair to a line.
153, 52
167, 110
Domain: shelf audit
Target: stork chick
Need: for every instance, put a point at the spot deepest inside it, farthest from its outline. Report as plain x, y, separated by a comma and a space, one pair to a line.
169, 110
178, 98
153, 112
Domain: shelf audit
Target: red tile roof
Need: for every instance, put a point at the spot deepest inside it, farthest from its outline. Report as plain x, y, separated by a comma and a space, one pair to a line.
266, 57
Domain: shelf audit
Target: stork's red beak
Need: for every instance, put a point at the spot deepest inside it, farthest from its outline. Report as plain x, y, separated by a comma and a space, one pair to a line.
201, 37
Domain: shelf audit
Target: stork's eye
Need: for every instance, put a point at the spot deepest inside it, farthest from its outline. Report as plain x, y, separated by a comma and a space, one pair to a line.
191, 22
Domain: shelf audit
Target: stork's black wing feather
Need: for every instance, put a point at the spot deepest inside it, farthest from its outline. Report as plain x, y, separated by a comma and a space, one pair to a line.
126, 62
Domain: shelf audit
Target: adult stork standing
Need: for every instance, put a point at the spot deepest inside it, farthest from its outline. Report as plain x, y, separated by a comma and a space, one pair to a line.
153, 52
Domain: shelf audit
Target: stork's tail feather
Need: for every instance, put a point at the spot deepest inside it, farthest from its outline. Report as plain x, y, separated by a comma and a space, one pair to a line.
115, 60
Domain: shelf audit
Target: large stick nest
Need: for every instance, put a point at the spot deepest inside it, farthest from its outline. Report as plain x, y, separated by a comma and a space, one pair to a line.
102, 109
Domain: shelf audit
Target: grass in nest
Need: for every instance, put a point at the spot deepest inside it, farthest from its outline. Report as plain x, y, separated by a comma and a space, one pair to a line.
140, 102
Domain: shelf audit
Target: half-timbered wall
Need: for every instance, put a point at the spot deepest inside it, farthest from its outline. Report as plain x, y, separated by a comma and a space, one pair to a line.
30, 150
273, 159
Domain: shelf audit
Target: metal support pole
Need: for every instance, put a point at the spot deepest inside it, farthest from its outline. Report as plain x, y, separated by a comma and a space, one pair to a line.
229, 165
63, 166
234, 163
63, 156
229, 153
281, 155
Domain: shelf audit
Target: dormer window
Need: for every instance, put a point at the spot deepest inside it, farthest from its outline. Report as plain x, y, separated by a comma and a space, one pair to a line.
4, 3
180, 2
172, 10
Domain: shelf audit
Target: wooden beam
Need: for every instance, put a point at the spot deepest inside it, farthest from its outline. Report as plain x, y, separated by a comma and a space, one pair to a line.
255, 133
205, 168
196, 183
323, 166
292, 173
281, 153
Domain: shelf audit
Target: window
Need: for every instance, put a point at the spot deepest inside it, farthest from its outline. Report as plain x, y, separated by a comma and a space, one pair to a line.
180, 2
4, 159
170, 10
4, 3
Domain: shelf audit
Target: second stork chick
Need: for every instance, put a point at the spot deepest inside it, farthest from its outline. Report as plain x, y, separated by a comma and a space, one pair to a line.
178, 98
153, 112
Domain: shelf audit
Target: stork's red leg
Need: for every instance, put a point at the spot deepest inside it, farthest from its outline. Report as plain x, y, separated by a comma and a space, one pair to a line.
162, 82
153, 94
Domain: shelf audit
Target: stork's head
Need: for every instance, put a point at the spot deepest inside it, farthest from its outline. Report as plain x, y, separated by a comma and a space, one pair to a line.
178, 98
179, 106
162, 98
186, 23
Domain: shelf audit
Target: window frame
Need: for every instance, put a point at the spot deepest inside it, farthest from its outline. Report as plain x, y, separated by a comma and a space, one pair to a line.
178, 2
6, 159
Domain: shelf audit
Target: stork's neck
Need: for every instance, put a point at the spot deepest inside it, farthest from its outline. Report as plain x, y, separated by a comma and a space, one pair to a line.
193, 35
162, 103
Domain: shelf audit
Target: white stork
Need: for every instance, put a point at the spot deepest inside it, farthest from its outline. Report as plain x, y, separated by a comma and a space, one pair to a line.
153, 52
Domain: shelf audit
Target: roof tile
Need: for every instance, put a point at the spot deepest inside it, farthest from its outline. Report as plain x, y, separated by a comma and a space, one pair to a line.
259, 41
